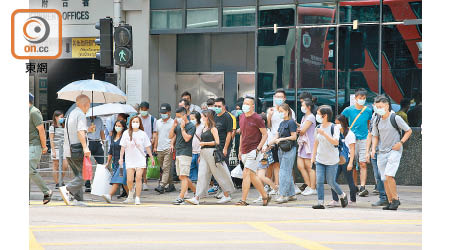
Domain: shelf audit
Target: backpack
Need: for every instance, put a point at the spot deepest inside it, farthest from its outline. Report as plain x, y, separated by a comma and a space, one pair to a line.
344, 152
393, 123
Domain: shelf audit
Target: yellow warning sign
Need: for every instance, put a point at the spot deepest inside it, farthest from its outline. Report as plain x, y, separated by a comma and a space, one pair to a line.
84, 47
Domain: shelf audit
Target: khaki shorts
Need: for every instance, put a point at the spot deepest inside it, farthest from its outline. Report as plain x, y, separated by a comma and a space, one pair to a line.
360, 150
183, 165
251, 160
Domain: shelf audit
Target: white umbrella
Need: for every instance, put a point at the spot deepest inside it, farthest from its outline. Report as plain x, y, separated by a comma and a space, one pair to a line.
110, 109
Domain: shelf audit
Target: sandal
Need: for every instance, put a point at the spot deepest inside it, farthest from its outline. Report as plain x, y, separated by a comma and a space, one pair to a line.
48, 197
241, 203
266, 200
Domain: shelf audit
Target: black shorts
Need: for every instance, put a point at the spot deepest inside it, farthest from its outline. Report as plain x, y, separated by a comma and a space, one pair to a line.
275, 153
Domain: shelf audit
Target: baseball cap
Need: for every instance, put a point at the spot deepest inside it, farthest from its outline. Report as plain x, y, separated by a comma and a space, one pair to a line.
165, 107
144, 105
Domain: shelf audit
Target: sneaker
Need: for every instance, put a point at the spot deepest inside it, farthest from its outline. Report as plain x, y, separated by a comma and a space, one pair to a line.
267, 188
344, 200
314, 191
375, 190
363, 192
87, 190
170, 188
179, 201
387, 206
159, 189
144, 187
394, 204
137, 201
107, 198
380, 203
333, 203
292, 198
122, 195
224, 199
213, 190
308, 191
192, 201
281, 200
128, 200
65, 195
57, 186
219, 195
297, 190
273, 192
351, 203
318, 206
78, 203
259, 200
303, 187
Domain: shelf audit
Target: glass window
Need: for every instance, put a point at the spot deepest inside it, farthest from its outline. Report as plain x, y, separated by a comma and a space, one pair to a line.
363, 11
282, 15
239, 16
167, 19
417, 9
202, 18
316, 13
276, 66
401, 10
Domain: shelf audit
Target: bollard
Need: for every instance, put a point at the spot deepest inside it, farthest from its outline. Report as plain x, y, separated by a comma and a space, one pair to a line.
61, 159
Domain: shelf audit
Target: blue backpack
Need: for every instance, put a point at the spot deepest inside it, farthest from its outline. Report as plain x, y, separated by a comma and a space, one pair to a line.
344, 152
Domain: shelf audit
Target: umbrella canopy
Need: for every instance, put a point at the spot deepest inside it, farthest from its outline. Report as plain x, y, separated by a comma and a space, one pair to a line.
110, 109
98, 91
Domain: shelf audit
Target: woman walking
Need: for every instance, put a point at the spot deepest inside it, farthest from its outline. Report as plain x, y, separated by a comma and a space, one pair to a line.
133, 143
349, 138
56, 134
285, 138
119, 175
306, 142
326, 155
209, 139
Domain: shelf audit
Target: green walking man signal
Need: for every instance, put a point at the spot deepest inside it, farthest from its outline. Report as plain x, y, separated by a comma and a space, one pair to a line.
122, 55
123, 39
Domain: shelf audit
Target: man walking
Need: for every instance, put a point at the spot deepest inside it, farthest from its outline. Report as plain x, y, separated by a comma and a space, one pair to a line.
37, 147
164, 147
253, 137
149, 124
183, 131
75, 148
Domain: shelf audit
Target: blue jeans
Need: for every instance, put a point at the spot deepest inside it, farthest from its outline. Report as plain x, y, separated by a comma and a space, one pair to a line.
287, 159
193, 174
349, 177
379, 182
330, 172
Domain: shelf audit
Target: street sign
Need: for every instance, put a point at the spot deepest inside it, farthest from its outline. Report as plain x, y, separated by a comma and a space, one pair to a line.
84, 47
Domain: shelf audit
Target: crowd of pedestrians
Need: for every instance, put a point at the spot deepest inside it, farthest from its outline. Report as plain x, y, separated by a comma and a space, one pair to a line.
197, 142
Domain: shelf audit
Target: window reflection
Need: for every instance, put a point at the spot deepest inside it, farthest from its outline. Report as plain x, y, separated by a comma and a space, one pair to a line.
316, 13
167, 19
282, 15
202, 18
239, 16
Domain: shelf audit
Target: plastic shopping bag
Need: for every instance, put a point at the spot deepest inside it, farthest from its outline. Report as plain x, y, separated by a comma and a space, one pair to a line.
100, 185
237, 172
153, 171
87, 169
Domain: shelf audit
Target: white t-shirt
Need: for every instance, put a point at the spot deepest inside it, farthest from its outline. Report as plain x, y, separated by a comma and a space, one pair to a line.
195, 141
149, 128
327, 153
276, 120
350, 139
135, 149
163, 129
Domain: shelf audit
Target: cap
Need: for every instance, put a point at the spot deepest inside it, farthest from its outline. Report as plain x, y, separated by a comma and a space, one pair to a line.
165, 107
31, 97
144, 105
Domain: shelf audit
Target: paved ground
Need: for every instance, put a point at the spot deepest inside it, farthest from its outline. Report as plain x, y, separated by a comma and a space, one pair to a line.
156, 224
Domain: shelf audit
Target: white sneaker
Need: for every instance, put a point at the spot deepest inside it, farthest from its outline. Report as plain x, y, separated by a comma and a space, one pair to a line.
65, 195
78, 203
333, 204
137, 201
292, 198
308, 191
314, 191
219, 195
128, 200
273, 192
192, 201
107, 198
224, 199
281, 199
259, 200
297, 190
145, 187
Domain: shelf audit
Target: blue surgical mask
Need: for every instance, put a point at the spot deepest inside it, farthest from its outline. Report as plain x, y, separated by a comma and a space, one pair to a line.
278, 101
217, 110
245, 108
164, 116
118, 129
319, 118
361, 101
381, 111
61, 120
144, 113
194, 122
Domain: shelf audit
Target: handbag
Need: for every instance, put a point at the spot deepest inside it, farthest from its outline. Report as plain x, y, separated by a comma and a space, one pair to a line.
76, 150
219, 157
286, 145
153, 171
87, 169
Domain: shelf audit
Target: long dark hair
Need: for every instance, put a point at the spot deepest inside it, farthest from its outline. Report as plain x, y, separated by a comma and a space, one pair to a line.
344, 123
114, 132
130, 128
210, 119
56, 114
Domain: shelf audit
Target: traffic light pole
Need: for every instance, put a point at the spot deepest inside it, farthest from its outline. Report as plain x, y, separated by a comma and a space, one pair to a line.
119, 70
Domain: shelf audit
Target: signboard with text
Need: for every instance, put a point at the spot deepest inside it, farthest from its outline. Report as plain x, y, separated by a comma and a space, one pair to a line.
84, 47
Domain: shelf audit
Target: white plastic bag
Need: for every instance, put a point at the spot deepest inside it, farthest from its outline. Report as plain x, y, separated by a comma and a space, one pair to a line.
100, 184
237, 172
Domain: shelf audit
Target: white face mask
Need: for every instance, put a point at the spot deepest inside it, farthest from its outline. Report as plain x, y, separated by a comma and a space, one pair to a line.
179, 120
118, 129
194, 122
361, 101
303, 110
381, 111
245, 108
135, 124
319, 118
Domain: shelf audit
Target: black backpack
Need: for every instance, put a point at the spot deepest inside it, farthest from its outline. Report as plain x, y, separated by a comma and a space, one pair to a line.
393, 123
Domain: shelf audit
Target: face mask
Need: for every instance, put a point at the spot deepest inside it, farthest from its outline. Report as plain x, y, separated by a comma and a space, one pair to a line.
319, 118
361, 101
135, 125
211, 108
179, 120
381, 111
118, 129
238, 112
164, 116
194, 122
144, 113
217, 110
61, 120
245, 108
375, 109
303, 110
278, 101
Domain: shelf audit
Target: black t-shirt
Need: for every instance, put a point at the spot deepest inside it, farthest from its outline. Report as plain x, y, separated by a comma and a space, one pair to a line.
181, 146
286, 128
224, 124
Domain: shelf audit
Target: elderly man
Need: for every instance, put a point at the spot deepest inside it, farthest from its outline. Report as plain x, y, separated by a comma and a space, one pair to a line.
75, 149
37, 147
